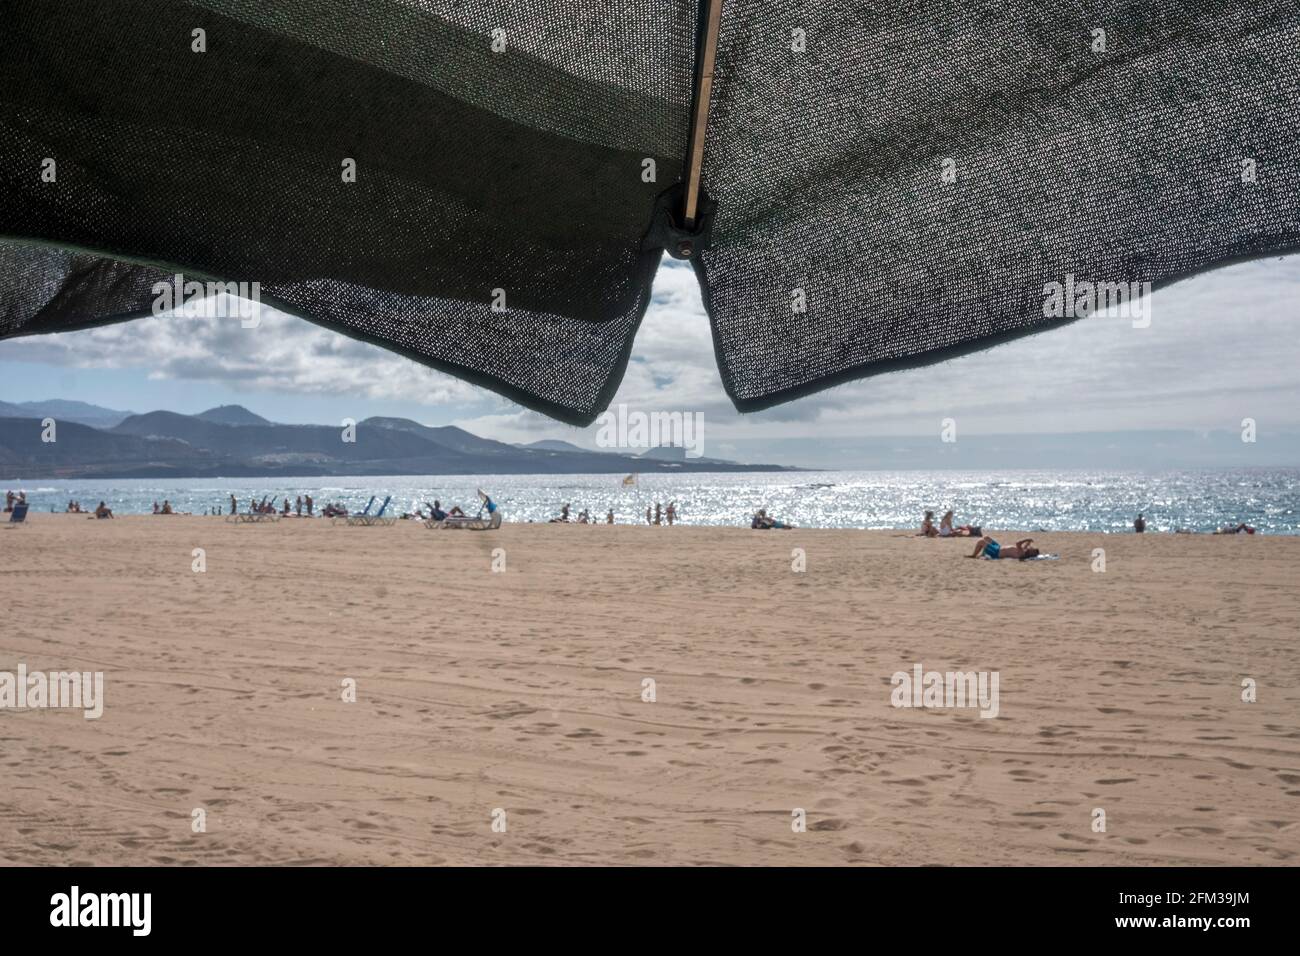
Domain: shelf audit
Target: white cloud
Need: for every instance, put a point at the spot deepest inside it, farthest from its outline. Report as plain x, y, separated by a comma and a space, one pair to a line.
282, 354
1221, 346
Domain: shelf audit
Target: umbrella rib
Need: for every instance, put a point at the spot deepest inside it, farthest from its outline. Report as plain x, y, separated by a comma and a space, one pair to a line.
700, 121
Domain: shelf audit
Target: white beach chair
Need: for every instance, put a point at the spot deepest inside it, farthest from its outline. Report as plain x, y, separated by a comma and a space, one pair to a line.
466, 524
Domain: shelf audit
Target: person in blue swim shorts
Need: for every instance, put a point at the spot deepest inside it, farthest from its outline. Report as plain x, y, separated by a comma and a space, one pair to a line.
990, 549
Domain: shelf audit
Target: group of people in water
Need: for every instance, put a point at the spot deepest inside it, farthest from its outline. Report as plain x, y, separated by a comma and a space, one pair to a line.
658, 515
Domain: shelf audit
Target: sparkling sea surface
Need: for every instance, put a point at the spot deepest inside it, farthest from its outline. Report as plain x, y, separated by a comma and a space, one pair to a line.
1268, 499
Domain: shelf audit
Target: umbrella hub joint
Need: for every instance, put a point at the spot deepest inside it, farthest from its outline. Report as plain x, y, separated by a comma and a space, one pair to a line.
668, 231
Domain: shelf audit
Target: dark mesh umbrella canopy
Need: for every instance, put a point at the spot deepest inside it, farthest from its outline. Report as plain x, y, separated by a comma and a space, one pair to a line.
889, 184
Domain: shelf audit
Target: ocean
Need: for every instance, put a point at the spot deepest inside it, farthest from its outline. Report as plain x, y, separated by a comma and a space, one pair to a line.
1102, 501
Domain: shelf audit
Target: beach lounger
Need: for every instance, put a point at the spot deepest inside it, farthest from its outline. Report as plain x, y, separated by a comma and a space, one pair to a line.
347, 519
251, 518
367, 520
19, 514
467, 524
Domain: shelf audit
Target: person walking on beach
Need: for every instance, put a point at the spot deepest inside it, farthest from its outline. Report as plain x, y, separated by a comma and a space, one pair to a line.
1140, 524
609, 518
647, 515
671, 513
297, 507
658, 514
233, 506
310, 504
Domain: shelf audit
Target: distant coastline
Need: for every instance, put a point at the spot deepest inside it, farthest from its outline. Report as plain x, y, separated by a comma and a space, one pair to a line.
1103, 502
77, 442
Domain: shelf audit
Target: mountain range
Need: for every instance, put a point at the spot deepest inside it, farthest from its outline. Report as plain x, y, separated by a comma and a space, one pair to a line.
230, 441
64, 411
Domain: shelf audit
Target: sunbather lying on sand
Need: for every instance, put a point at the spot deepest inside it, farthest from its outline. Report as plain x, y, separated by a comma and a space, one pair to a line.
946, 530
993, 551
764, 522
1242, 528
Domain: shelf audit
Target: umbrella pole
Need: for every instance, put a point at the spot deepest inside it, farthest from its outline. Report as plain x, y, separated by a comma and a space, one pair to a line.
708, 54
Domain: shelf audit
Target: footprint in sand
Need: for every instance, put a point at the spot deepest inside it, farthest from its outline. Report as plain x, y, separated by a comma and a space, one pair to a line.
1025, 776
832, 823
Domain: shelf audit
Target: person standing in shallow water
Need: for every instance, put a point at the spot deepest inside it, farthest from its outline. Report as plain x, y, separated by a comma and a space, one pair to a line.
671, 513
310, 504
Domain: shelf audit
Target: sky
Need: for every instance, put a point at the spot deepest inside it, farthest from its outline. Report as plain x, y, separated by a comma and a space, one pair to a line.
1221, 347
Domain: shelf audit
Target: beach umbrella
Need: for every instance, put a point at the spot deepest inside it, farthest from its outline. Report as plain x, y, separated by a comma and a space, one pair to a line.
490, 187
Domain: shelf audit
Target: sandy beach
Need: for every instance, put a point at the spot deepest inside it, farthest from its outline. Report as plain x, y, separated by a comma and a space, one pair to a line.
522, 691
